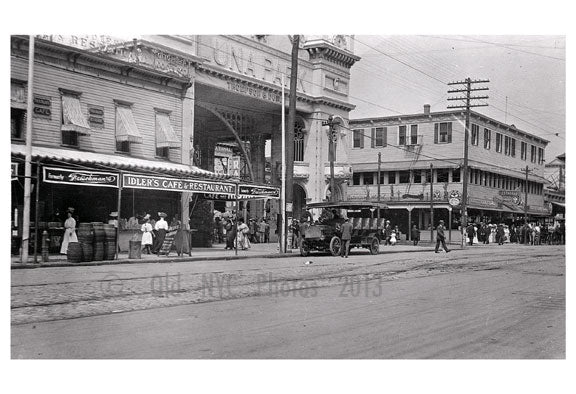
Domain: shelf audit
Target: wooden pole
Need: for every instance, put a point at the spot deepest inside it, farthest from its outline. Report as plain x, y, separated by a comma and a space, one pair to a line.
431, 202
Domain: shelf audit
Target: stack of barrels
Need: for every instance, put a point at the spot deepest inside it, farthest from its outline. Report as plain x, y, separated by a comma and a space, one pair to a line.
96, 242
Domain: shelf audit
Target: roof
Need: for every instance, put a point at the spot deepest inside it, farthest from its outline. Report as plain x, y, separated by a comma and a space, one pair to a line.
119, 162
348, 205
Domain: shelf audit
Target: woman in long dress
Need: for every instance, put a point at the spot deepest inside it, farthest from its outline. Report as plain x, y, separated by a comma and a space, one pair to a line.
242, 236
146, 236
69, 233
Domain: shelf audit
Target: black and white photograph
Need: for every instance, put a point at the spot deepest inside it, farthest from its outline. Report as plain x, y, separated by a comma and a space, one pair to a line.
368, 188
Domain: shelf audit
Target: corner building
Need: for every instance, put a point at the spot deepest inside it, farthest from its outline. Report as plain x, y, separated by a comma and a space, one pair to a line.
409, 144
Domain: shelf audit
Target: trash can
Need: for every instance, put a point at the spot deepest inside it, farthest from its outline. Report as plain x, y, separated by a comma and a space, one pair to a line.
135, 250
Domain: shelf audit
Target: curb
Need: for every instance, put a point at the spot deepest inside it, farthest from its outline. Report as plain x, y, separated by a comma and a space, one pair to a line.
16, 266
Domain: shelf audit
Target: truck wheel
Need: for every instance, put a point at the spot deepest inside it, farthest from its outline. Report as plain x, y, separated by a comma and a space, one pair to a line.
335, 245
374, 246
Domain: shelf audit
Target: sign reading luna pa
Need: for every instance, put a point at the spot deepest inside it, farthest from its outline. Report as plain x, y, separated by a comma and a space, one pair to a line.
177, 185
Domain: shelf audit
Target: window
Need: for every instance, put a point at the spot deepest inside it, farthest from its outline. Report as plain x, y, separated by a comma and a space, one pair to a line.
523, 150
498, 142
358, 137
512, 147
417, 176
17, 123
428, 176
443, 133
368, 178
401, 135
126, 130
356, 178
404, 177
456, 175
382, 177
413, 134
487, 138
166, 137
74, 122
540, 156
532, 153
507, 145
379, 137
391, 177
442, 175
475, 134
299, 140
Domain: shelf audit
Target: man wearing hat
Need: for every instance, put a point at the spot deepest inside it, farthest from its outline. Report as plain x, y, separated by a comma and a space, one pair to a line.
346, 237
440, 237
161, 227
387, 233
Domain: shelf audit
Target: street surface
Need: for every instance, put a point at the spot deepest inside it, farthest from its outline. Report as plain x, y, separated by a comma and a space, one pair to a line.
486, 302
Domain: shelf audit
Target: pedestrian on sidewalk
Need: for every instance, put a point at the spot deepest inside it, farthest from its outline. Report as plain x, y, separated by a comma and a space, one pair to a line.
500, 234
69, 231
387, 232
415, 235
470, 232
230, 233
440, 237
242, 238
261, 229
346, 237
161, 228
146, 229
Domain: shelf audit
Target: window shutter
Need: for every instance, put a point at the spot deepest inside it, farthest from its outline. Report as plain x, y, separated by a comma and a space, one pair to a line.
385, 136
373, 139
435, 133
450, 132
362, 138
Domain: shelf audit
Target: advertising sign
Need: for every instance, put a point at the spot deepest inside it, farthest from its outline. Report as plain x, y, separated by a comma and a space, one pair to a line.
234, 166
80, 177
177, 185
259, 191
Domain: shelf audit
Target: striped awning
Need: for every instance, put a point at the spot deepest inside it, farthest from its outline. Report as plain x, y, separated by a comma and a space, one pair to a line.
72, 117
165, 135
126, 129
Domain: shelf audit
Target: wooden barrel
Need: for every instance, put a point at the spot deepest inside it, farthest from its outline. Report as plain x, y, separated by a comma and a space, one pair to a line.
87, 251
74, 253
98, 254
85, 233
110, 232
99, 234
109, 250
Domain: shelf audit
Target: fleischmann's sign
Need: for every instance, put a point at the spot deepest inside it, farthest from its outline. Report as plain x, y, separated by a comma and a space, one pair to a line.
80, 177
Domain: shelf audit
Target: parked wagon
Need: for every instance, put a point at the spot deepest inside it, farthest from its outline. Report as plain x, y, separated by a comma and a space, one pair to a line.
326, 234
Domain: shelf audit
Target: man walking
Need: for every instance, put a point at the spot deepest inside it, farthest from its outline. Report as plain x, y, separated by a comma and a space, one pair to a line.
470, 232
440, 237
346, 237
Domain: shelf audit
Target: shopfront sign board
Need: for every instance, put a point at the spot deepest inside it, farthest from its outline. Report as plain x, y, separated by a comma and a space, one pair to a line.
80, 177
135, 181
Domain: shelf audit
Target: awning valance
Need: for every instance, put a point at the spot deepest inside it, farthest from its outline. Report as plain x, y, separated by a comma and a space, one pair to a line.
165, 135
72, 117
109, 161
405, 165
126, 129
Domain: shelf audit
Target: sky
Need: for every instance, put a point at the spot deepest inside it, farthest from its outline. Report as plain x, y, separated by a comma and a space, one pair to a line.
398, 74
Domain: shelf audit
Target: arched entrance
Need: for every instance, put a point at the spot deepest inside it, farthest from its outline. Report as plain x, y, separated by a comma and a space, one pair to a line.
298, 201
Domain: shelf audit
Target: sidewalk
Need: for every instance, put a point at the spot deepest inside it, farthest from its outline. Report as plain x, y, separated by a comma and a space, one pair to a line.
216, 252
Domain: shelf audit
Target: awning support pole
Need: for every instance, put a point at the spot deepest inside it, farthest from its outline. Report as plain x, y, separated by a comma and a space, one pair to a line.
118, 217
37, 212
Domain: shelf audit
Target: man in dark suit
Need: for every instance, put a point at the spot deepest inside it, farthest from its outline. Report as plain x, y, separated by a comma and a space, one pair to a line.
440, 237
346, 237
470, 233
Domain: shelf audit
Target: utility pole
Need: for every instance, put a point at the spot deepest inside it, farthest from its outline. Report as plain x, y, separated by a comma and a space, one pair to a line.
431, 203
468, 89
332, 138
526, 198
379, 172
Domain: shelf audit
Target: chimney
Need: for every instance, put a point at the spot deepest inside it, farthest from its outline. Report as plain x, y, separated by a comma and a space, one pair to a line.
426, 109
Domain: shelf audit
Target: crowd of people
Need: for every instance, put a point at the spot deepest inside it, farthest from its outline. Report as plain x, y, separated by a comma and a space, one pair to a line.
533, 233
237, 232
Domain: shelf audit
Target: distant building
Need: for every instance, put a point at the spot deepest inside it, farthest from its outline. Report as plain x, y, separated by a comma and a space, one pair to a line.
555, 193
410, 144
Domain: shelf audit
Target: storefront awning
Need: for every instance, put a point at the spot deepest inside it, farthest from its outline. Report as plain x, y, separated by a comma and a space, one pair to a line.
165, 135
126, 129
114, 161
560, 204
73, 118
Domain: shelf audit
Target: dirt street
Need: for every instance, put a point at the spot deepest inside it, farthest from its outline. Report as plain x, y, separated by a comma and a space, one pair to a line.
486, 302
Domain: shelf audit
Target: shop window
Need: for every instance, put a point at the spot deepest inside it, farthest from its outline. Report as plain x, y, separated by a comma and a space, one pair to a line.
456, 175
379, 137
391, 177
443, 133
401, 135
498, 142
299, 140
74, 122
358, 138
368, 178
475, 134
487, 138
356, 178
417, 176
17, 123
523, 150
442, 175
404, 177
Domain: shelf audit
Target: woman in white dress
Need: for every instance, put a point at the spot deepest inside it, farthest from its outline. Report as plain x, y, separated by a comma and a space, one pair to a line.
475, 239
146, 235
69, 233
242, 236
